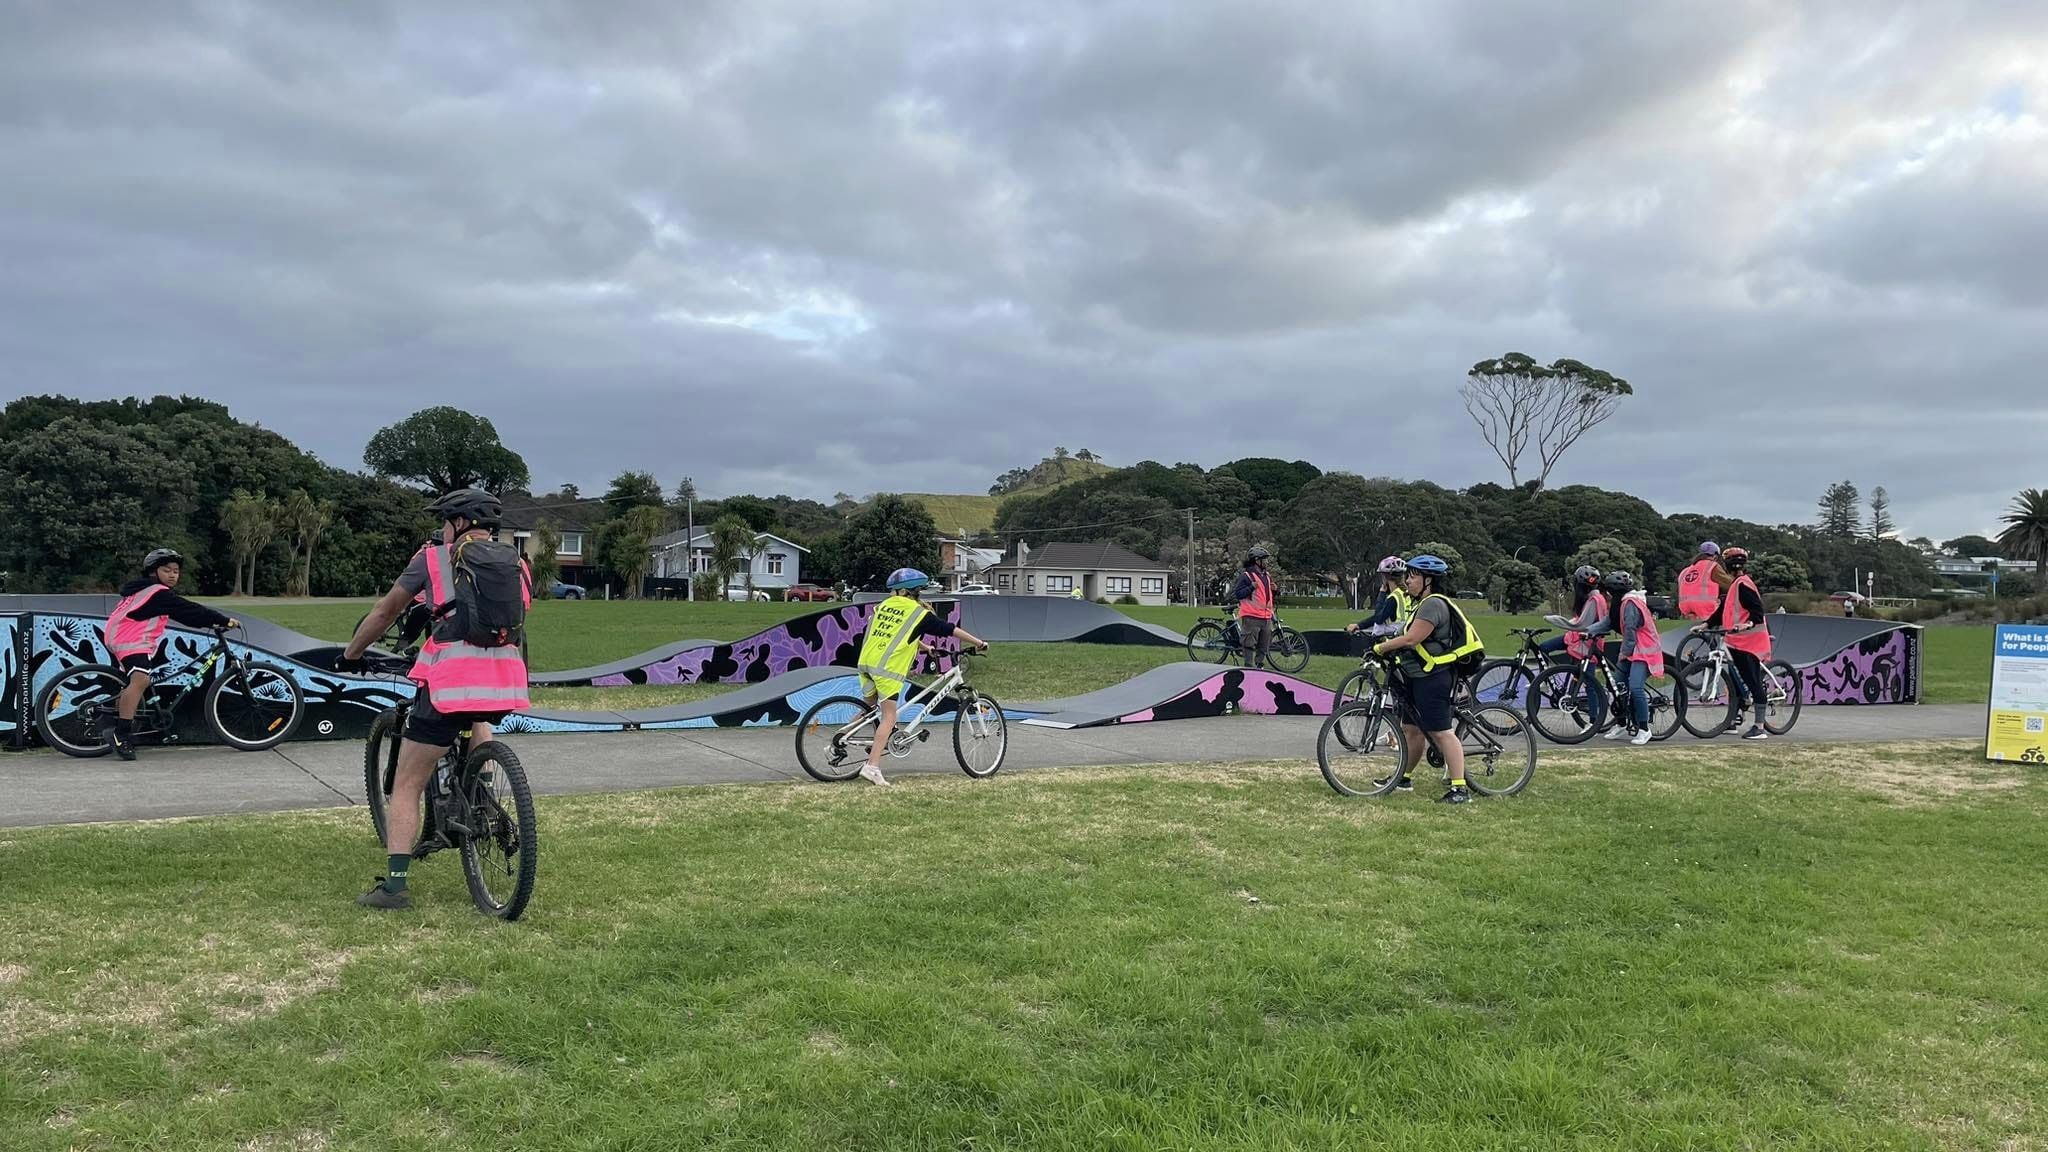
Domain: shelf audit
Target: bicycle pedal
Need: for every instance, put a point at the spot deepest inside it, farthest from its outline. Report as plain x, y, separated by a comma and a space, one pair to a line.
923, 735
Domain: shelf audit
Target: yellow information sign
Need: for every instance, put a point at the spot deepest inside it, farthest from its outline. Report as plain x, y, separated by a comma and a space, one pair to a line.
2017, 727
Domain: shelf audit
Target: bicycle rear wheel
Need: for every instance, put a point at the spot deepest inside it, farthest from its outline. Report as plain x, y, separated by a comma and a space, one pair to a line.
1663, 691
1360, 750
1209, 643
1785, 690
824, 748
73, 714
1289, 652
501, 851
1502, 682
254, 707
981, 736
1560, 704
1706, 699
1500, 749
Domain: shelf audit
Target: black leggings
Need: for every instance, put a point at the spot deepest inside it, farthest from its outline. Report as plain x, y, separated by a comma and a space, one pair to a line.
1750, 667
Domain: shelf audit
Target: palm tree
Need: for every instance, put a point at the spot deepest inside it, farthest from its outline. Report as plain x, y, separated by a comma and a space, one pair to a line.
2026, 532
731, 541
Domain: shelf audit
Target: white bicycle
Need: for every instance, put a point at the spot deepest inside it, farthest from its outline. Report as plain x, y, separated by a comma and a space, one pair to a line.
1709, 693
835, 735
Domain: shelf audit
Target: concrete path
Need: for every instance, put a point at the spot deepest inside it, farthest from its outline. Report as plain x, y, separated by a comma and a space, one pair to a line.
46, 788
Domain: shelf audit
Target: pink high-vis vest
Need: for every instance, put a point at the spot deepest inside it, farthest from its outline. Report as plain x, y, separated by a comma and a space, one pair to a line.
1649, 646
461, 677
1756, 641
1576, 643
1697, 594
128, 637
1260, 605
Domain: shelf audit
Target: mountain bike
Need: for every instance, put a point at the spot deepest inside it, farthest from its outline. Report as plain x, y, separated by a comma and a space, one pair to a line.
1709, 692
834, 735
1362, 751
1561, 700
247, 705
1506, 680
465, 809
1217, 640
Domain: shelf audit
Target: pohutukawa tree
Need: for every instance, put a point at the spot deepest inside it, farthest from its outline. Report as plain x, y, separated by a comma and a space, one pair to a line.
1520, 406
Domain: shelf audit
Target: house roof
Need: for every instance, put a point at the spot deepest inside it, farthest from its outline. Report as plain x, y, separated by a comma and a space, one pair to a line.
702, 539
1095, 556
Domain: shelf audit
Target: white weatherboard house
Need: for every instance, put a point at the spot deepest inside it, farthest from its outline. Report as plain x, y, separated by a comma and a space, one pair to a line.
773, 562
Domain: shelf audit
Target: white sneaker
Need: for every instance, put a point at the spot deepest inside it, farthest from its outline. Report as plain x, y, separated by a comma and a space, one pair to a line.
1615, 733
1641, 738
873, 775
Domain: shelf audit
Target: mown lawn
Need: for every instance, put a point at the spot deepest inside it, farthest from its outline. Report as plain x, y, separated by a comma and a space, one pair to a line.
1794, 946
576, 634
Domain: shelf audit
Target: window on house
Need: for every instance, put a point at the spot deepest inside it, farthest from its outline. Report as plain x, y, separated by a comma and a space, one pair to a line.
1031, 583
572, 544
1118, 584
1154, 585
1005, 581
1059, 583
775, 560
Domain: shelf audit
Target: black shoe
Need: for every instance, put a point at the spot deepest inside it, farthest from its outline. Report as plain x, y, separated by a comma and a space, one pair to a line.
1404, 784
1456, 794
385, 899
1756, 732
125, 749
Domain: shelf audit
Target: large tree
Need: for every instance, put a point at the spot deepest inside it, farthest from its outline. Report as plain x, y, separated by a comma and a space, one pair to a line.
1517, 585
1609, 554
888, 534
1777, 572
1881, 524
304, 519
1841, 510
1971, 546
443, 448
2026, 531
80, 503
631, 490
250, 521
1519, 404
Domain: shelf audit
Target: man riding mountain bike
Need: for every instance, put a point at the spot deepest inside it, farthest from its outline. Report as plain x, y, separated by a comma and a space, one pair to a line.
470, 669
896, 631
137, 624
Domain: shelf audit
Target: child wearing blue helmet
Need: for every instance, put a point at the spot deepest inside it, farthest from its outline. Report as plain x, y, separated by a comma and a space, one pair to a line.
894, 637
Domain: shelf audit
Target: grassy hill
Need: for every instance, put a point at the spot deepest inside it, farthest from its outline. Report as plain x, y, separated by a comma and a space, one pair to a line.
976, 513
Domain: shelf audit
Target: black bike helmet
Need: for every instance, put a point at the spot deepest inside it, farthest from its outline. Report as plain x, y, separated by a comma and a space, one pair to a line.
1586, 575
1618, 581
475, 505
158, 557
1257, 554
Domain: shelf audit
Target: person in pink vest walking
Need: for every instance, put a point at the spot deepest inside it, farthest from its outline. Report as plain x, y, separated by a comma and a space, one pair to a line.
146, 609
462, 684
1253, 594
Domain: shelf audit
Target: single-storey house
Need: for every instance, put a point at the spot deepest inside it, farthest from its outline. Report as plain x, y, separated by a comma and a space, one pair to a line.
772, 563
1099, 571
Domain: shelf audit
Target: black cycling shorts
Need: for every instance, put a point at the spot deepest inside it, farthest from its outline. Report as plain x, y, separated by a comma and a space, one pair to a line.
427, 725
1430, 694
129, 665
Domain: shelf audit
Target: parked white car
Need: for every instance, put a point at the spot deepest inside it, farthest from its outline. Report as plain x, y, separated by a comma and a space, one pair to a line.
975, 590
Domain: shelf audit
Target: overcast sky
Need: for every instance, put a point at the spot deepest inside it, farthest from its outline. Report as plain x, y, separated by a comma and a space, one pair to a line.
904, 246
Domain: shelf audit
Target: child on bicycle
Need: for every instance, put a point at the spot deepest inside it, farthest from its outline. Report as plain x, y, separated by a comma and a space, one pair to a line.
1437, 639
1748, 635
137, 624
895, 635
1394, 607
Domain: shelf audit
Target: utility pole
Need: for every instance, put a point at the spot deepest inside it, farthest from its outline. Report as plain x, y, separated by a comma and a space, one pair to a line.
1194, 597
690, 547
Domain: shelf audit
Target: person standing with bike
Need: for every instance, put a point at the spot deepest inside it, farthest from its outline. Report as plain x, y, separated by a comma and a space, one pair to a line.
1642, 652
895, 633
1438, 639
470, 669
1253, 595
1394, 608
1741, 616
137, 624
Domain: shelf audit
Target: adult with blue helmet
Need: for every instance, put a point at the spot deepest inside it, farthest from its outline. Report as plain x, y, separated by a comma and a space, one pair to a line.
1438, 638
895, 635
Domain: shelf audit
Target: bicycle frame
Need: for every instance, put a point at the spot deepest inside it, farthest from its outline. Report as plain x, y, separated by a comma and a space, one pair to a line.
168, 687
953, 683
1720, 668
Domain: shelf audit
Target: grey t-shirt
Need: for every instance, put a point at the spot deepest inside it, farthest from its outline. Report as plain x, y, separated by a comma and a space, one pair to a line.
414, 578
1437, 612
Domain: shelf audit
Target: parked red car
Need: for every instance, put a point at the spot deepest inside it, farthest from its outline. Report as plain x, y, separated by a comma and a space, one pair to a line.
807, 592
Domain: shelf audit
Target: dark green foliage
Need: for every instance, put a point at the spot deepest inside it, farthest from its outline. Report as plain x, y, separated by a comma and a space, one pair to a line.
888, 534
442, 448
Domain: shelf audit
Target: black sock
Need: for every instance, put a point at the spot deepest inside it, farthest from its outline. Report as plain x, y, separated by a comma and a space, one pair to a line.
396, 869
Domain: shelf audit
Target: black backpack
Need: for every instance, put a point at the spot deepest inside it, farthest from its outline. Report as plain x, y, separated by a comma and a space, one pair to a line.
489, 610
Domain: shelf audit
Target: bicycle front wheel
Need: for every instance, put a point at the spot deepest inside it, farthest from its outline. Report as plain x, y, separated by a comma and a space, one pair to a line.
380, 769
1560, 704
826, 747
501, 851
1289, 653
1209, 644
1784, 688
1360, 750
1705, 699
254, 707
1500, 749
74, 715
981, 736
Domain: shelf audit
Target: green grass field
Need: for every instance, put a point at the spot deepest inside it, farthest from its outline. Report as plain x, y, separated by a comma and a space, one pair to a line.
576, 634
1791, 947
